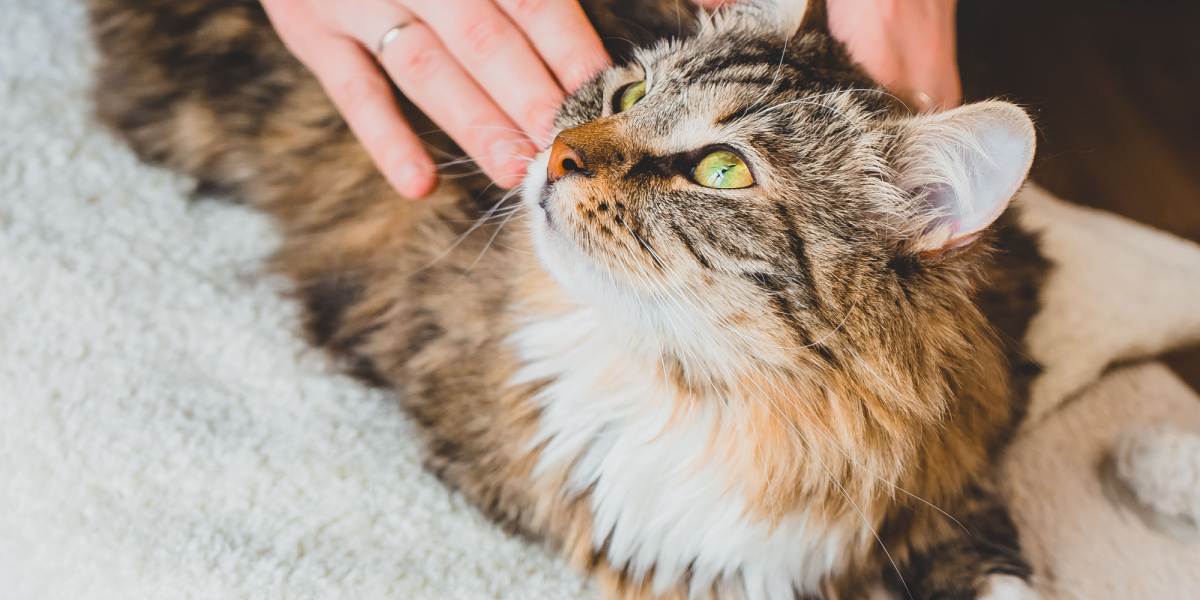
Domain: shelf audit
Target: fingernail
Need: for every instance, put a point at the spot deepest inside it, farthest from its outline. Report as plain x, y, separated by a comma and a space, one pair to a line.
411, 179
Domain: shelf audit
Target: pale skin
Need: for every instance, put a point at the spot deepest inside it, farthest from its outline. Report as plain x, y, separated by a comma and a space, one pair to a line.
468, 51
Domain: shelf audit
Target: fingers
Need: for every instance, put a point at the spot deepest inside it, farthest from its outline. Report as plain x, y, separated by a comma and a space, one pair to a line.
498, 57
487, 72
364, 97
910, 49
360, 92
561, 33
711, 4
432, 79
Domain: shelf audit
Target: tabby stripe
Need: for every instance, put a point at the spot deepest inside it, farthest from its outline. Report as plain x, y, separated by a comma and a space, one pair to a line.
800, 255
634, 229
783, 306
690, 246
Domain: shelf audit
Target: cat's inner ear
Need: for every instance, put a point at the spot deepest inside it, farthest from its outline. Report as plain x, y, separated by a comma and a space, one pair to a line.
961, 168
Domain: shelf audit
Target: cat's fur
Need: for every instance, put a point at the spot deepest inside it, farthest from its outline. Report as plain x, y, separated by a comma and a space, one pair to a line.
785, 391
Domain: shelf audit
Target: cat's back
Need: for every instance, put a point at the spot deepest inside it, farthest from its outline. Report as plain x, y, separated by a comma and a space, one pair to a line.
205, 87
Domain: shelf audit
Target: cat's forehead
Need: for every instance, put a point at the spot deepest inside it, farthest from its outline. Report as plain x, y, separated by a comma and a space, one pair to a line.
729, 87
736, 56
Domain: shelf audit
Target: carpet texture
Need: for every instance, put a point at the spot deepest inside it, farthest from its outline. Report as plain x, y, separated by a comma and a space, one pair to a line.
164, 433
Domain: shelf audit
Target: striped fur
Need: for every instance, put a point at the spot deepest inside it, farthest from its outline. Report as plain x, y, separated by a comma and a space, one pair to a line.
760, 393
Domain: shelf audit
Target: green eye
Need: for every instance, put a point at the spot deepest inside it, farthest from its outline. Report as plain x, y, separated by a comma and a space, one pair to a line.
629, 95
723, 170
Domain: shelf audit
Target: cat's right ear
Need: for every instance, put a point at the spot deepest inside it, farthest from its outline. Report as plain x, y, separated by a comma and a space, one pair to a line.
959, 170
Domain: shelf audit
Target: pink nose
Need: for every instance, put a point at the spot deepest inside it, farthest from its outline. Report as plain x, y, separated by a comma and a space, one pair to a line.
563, 160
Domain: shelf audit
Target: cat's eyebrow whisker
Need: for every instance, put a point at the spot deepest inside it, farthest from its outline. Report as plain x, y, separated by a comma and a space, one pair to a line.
880, 91
812, 100
620, 39
775, 79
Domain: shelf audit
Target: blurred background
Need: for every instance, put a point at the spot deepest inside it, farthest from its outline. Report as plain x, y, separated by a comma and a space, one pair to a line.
1114, 86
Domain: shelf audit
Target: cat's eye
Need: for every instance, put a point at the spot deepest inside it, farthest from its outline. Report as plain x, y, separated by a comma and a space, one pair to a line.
628, 95
722, 169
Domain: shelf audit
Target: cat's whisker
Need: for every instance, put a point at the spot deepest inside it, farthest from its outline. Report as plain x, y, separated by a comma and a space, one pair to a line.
458, 161
478, 223
492, 239
774, 79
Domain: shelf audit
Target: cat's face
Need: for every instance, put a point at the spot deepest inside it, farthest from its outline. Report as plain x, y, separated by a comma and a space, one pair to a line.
742, 200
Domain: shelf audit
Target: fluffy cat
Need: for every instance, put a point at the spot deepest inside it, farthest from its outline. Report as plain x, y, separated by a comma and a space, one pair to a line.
731, 340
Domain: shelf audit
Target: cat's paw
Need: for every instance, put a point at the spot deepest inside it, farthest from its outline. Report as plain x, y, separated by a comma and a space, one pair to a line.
1007, 587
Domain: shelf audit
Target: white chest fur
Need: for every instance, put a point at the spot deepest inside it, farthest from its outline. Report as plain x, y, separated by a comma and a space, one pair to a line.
663, 500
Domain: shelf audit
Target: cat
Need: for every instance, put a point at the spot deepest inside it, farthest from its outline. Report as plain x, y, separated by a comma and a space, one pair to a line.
743, 331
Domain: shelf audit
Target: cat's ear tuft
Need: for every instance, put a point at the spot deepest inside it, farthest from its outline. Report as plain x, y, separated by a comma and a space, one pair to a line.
961, 168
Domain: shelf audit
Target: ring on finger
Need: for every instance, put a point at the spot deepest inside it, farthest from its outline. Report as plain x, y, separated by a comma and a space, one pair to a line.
391, 34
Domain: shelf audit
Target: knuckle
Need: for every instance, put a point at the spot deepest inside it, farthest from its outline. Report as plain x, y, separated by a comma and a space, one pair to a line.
416, 60
484, 35
356, 93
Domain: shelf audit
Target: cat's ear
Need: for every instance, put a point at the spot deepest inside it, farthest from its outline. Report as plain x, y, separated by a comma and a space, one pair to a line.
787, 17
816, 16
961, 168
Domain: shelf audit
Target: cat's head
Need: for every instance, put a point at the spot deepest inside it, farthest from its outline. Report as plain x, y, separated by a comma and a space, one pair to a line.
748, 197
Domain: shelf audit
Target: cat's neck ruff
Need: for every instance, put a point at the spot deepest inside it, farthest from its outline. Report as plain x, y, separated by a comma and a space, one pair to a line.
662, 468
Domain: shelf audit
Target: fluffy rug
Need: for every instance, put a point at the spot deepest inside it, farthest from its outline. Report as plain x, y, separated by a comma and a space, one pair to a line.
165, 434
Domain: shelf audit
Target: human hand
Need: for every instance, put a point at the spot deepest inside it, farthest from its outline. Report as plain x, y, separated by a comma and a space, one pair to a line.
909, 46
491, 73
906, 45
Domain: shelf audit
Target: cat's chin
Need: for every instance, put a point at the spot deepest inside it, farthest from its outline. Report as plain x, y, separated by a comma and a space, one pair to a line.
558, 255
584, 279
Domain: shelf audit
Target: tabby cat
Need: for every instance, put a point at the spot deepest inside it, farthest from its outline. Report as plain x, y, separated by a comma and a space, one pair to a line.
741, 334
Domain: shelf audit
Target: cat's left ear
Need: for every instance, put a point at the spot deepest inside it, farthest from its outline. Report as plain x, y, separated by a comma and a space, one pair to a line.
816, 17
961, 168
789, 17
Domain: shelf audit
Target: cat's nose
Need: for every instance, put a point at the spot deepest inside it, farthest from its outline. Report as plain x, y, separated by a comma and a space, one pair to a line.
564, 160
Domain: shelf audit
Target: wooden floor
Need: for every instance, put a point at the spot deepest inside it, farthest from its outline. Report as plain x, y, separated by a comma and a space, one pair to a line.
1114, 86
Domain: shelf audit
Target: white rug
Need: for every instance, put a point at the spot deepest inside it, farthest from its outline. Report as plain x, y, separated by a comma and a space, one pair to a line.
165, 434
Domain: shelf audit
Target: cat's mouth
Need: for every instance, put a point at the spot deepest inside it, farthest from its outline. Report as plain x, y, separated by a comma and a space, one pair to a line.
536, 190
